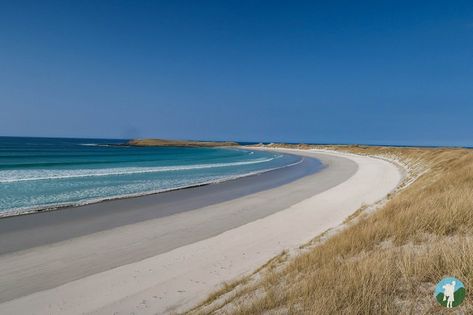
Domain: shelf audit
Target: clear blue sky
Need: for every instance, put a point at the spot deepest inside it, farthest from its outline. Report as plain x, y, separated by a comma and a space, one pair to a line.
398, 72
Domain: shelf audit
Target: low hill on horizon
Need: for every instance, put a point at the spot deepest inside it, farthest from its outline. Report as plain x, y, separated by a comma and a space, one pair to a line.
179, 143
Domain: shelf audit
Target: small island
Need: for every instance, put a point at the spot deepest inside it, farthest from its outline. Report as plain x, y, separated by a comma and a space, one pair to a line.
178, 143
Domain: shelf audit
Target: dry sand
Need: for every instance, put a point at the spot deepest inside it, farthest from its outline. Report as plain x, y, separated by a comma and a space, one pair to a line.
177, 279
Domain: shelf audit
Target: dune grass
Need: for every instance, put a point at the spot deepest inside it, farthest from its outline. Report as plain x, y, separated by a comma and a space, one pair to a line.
384, 262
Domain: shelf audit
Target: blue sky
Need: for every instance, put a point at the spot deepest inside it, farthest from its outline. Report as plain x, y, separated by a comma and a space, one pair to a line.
394, 72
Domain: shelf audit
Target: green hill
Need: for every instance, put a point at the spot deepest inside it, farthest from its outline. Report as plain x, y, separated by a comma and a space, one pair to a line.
459, 297
179, 143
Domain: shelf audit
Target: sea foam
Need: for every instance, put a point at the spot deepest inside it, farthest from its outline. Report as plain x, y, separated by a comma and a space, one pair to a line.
11, 176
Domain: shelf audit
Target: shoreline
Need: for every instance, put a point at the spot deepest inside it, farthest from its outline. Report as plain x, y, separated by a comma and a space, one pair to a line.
65, 206
21, 232
182, 276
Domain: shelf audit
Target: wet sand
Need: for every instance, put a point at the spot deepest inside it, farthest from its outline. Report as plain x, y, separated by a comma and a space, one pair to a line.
42, 228
24, 237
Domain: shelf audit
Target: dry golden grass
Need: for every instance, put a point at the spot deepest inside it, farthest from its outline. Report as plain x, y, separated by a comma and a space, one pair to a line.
387, 262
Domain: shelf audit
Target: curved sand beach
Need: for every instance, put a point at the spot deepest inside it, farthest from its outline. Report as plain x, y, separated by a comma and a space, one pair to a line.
252, 229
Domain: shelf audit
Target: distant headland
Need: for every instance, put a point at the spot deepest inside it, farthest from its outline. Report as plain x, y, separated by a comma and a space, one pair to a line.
178, 143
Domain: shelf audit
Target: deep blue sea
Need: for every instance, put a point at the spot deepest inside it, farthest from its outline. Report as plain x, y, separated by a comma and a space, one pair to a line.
42, 173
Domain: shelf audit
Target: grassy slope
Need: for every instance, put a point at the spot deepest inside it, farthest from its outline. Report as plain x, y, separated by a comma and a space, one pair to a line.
386, 262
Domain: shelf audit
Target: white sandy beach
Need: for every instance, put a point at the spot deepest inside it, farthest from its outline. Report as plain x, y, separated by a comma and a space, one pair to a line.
176, 280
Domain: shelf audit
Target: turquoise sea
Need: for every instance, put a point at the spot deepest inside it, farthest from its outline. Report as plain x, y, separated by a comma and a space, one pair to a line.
44, 173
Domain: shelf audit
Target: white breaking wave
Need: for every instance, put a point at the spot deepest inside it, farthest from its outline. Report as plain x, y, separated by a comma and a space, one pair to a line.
12, 176
56, 205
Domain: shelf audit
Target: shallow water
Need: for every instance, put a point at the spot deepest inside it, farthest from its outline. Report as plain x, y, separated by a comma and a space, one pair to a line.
38, 173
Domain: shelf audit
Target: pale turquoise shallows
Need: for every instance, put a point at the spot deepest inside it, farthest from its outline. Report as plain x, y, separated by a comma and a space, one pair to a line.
39, 173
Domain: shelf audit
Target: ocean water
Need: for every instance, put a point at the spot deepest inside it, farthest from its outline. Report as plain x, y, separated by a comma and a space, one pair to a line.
44, 173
